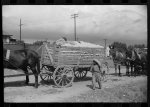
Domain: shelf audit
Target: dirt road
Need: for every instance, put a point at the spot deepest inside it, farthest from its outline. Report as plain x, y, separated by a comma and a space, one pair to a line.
113, 89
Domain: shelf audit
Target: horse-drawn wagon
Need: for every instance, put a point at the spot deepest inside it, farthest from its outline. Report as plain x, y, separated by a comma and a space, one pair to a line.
63, 62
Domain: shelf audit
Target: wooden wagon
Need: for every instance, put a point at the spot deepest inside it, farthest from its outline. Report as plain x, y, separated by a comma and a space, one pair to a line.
63, 63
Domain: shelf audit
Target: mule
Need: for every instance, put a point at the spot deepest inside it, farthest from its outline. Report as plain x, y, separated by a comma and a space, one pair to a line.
119, 58
140, 61
22, 59
130, 59
137, 61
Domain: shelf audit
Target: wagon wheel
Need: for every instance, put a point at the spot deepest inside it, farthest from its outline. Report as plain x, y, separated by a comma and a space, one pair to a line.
63, 76
80, 73
46, 73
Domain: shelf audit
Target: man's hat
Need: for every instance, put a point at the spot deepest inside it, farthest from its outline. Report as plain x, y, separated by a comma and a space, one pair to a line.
97, 61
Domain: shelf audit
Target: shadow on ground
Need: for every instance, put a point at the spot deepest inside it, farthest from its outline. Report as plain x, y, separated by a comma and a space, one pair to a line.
90, 86
17, 84
45, 83
82, 79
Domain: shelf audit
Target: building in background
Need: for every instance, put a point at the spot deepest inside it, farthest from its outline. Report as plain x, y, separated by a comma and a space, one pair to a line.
7, 39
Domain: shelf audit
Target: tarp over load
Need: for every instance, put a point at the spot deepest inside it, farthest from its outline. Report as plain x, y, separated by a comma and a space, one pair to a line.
82, 44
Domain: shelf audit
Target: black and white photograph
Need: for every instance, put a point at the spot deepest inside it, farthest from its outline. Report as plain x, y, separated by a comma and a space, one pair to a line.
74, 53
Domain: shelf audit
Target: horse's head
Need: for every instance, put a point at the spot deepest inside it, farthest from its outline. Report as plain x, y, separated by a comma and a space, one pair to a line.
112, 51
137, 55
128, 54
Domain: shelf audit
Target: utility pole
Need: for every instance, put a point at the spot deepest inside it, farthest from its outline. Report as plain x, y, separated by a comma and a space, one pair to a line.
105, 46
105, 43
20, 30
74, 16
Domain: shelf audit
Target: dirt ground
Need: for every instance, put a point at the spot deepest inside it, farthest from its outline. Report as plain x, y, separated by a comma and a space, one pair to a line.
114, 89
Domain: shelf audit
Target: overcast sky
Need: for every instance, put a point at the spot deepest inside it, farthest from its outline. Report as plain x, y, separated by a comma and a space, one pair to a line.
94, 22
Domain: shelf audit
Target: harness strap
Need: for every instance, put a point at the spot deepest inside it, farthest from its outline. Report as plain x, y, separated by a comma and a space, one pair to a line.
7, 54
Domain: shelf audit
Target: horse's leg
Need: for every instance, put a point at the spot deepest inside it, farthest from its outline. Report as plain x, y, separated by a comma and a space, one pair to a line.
119, 68
36, 80
115, 69
127, 69
135, 69
142, 69
126, 64
131, 65
35, 72
27, 76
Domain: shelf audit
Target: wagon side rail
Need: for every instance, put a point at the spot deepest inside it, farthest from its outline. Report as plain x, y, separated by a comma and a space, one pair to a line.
78, 58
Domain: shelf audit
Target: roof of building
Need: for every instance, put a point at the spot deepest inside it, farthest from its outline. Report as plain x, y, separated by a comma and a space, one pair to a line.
7, 35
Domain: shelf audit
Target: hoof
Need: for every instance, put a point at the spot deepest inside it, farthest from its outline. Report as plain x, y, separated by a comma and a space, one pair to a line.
36, 86
27, 83
93, 88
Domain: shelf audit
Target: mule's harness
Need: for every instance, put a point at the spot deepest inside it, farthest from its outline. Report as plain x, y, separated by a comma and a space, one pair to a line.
7, 59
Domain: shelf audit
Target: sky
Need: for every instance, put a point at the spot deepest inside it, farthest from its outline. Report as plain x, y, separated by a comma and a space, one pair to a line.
124, 23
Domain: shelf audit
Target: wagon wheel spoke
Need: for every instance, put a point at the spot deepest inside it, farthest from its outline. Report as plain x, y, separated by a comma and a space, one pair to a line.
58, 75
63, 82
77, 74
68, 79
49, 77
67, 70
47, 70
61, 71
45, 77
80, 74
45, 73
60, 81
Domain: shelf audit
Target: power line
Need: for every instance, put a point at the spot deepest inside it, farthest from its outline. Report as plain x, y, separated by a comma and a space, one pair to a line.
74, 16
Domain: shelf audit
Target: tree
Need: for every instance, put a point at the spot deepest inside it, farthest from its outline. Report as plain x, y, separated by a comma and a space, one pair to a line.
38, 43
139, 46
130, 47
118, 46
